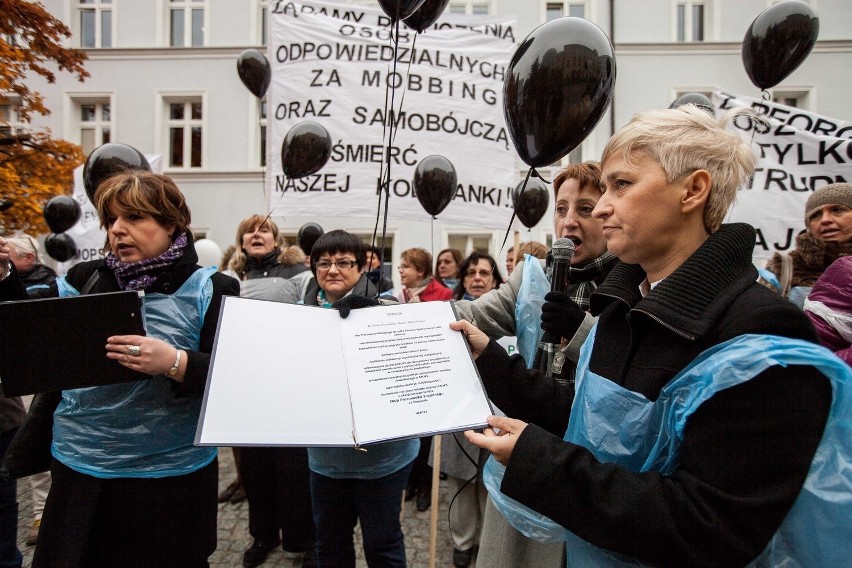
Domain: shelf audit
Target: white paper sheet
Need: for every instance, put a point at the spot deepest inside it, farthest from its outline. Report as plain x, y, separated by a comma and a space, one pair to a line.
279, 376
409, 373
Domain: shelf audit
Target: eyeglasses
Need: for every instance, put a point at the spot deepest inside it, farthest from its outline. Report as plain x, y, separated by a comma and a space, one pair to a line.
482, 273
342, 264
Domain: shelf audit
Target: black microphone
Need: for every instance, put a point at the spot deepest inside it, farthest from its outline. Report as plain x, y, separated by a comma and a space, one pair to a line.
562, 252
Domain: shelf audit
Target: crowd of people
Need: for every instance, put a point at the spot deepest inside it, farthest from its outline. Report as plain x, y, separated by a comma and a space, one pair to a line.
644, 445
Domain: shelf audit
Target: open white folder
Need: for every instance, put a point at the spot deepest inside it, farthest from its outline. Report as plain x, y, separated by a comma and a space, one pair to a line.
291, 375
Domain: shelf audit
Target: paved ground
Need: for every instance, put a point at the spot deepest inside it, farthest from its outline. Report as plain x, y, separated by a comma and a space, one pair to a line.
234, 537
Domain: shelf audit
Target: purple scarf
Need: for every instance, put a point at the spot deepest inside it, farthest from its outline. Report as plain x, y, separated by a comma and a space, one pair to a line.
139, 275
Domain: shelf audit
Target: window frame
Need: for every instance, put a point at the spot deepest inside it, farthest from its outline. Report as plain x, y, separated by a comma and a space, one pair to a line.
97, 7
469, 6
804, 96
73, 123
166, 123
187, 6
14, 124
709, 13
565, 8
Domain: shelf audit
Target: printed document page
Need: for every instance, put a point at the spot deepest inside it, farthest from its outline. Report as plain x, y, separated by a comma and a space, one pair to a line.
276, 378
409, 374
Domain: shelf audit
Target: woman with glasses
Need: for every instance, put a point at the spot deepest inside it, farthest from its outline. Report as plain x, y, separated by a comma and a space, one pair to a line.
351, 485
479, 275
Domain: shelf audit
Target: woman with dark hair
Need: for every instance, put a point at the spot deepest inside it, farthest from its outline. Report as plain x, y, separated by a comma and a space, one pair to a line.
479, 275
350, 485
129, 485
447, 267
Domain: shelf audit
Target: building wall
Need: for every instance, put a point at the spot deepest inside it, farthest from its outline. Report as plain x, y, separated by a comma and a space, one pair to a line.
652, 70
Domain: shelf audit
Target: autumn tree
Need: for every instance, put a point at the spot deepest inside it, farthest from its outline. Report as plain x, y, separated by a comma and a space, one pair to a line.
34, 166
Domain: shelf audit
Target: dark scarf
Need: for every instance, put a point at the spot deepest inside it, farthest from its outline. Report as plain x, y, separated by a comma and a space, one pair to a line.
141, 274
585, 279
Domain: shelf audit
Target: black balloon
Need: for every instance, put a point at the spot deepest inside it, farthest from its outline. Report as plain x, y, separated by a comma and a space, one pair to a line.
558, 85
60, 247
308, 235
108, 160
305, 150
434, 183
255, 72
426, 15
399, 9
697, 99
61, 213
778, 41
5, 203
531, 202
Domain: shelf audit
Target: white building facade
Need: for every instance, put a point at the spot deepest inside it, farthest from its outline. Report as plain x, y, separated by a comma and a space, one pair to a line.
163, 80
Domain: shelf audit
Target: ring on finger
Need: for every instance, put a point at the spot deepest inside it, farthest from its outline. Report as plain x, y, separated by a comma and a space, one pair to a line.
134, 350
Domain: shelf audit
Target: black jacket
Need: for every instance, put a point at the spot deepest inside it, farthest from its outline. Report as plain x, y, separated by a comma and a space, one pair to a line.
745, 453
270, 267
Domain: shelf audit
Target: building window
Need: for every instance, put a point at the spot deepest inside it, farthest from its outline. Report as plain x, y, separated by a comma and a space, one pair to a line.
467, 243
691, 21
474, 8
185, 128
797, 99
186, 23
262, 114
10, 120
95, 124
555, 10
95, 18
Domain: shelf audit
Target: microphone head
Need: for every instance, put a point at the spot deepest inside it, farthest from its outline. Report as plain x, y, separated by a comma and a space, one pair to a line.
563, 249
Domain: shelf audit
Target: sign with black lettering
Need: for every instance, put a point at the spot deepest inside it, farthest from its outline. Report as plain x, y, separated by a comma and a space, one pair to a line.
335, 64
797, 152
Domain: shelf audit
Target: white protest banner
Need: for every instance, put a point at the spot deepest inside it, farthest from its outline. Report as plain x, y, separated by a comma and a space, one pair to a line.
798, 152
331, 64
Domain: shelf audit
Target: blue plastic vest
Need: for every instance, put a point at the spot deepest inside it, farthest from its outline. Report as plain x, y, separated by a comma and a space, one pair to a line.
645, 436
139, 429
534, 286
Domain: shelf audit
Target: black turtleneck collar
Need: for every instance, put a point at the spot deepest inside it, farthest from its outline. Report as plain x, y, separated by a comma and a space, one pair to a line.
265, 262
691, 298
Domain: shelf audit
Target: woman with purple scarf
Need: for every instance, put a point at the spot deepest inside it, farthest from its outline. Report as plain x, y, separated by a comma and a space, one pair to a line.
129, 486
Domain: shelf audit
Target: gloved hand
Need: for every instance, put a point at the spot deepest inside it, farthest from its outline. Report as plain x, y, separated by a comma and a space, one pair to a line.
353, 302
560, 315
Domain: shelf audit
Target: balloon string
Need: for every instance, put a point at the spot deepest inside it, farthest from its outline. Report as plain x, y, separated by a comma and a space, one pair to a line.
391, 133
512, 220
405, 85
274, 207
539, 176
386, 135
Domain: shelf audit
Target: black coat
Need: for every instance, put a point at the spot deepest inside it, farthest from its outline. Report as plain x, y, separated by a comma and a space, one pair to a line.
270, 267
745, 453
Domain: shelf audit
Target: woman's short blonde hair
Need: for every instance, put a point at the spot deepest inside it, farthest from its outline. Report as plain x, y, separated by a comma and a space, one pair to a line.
144, 192
687, 139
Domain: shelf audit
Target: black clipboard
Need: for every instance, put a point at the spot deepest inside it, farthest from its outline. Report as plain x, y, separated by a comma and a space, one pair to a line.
60, 343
